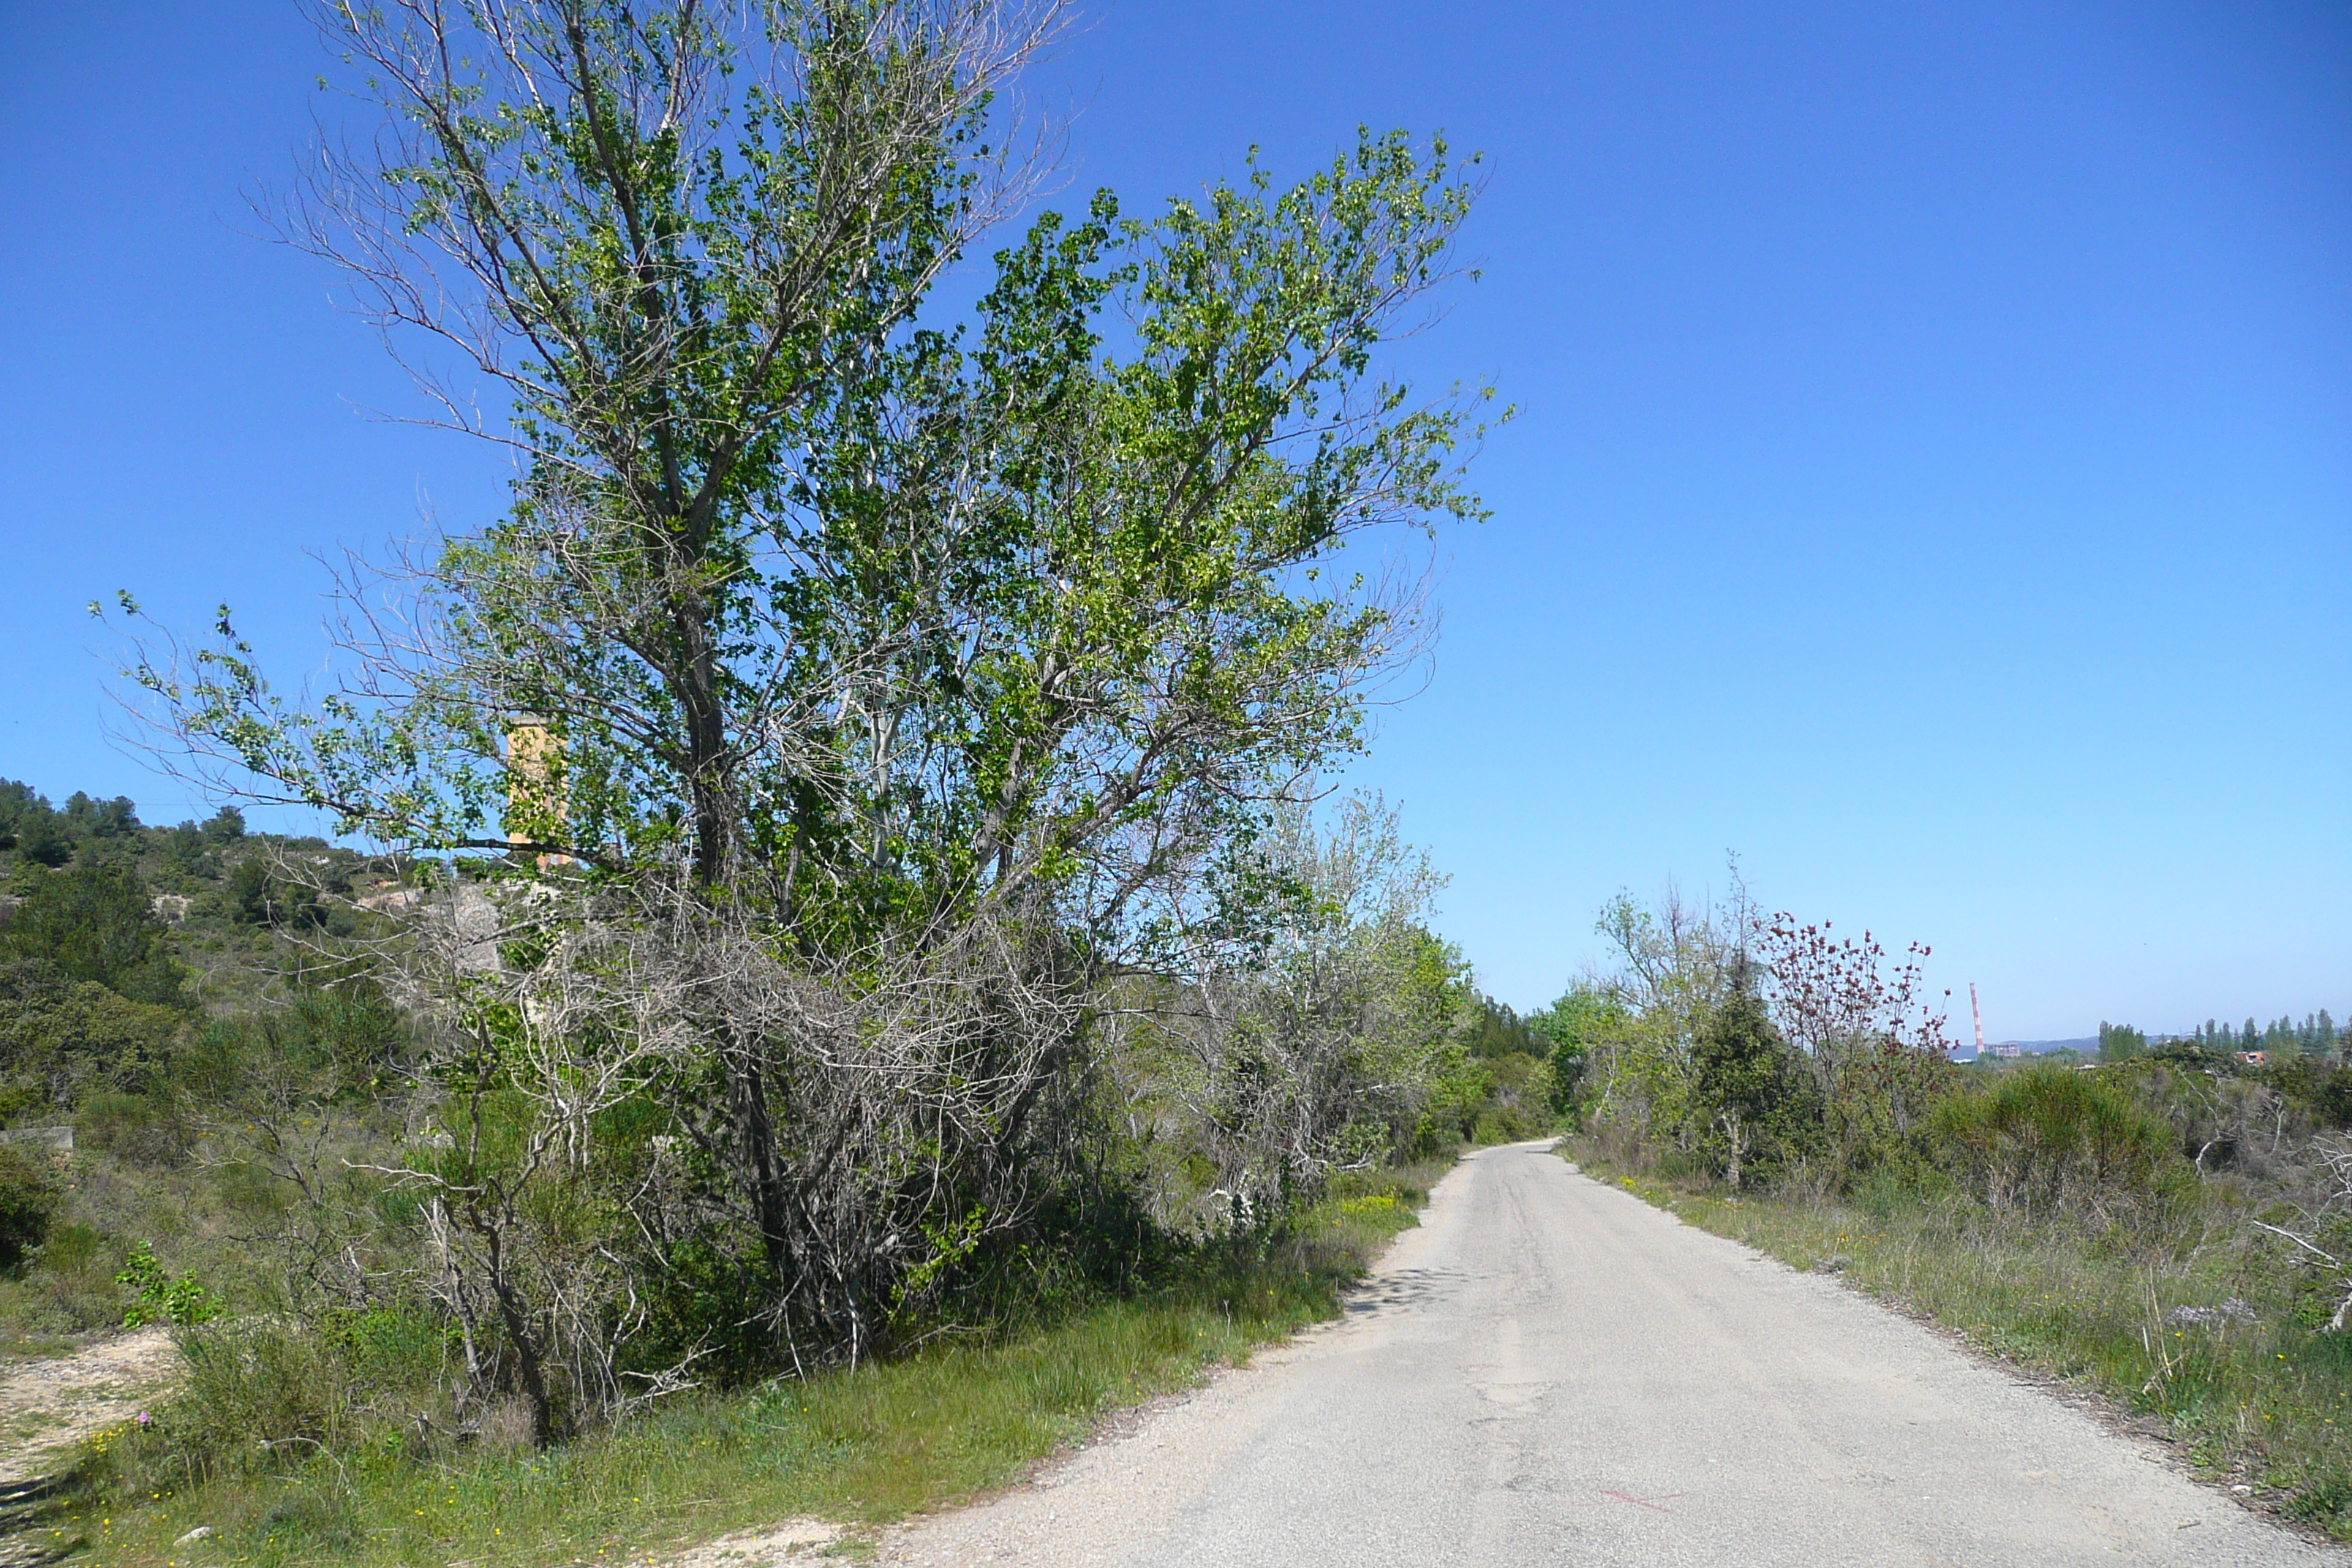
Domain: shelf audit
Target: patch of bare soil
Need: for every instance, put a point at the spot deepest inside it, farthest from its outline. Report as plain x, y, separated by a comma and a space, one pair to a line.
48, 1406
795, 1538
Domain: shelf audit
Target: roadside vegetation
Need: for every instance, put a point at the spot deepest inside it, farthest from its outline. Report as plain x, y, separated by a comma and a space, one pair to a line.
236, 1179
860, 1446
2171, 1229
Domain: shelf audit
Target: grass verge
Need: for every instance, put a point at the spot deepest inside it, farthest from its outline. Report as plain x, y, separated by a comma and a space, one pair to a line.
866, 1447
2265, 1403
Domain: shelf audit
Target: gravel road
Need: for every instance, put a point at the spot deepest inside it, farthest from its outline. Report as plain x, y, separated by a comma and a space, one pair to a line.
1549, 1371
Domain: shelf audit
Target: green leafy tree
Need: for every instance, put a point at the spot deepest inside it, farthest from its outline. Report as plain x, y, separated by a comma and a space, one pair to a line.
1584, 1019
1492, 1030
40, 835
894, 682
42, 839
89, 818
2120, 1042
1675, 967
17, 802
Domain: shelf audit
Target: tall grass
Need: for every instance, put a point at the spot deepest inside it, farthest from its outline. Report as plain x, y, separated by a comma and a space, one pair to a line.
2245, 1383
864, 1447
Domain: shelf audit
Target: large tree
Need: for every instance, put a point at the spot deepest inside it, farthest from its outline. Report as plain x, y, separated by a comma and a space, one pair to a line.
942, 668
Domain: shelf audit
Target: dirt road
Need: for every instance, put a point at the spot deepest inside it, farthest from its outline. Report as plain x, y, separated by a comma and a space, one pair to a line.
1549, 1371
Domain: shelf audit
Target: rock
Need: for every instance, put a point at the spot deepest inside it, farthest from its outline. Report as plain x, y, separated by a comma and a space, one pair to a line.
2232, 1310
198, 1534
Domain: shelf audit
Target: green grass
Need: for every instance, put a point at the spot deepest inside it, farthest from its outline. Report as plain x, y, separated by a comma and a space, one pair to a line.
862, 1447
2267, 1404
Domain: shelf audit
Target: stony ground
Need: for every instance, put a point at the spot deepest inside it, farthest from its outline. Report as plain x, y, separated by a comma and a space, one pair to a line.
49, 1405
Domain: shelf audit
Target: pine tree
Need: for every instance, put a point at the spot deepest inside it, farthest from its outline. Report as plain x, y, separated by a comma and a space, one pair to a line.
1739, 1076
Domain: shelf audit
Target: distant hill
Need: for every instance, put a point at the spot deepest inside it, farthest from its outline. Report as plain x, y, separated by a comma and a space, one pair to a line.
2088, 1046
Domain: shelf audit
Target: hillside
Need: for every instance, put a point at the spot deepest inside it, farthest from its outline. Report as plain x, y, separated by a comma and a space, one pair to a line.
174, 996
117, 939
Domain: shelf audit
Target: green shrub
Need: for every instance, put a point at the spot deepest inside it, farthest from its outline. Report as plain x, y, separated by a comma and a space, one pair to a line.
156, 1298
137, 1128
29, 1195
93, 924
256, 1398
2051, 1140
68, 1287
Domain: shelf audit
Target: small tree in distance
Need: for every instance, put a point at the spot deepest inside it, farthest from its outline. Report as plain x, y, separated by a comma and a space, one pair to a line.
2120, 1042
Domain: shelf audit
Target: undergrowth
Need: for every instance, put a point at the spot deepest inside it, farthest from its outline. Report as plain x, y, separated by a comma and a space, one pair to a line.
865, 1448
2246, 1382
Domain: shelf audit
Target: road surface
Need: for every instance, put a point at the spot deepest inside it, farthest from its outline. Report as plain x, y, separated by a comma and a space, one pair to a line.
1549, 1371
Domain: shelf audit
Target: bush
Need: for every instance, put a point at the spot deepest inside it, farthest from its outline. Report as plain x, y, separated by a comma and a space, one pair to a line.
2050, 1140
261, 1396
93, 924
157, 1298
137, 1128
68, 1287
29, 1195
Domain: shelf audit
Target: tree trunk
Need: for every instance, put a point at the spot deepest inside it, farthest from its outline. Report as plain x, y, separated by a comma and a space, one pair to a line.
517, 1318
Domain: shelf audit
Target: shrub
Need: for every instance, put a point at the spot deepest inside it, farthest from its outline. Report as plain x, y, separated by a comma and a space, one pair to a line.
141, 1129
156, 1298
2051, 1140
261, 1396
68, 1287
93, 924
29, 1195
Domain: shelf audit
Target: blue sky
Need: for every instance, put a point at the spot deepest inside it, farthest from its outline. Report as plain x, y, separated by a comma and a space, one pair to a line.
1934, 477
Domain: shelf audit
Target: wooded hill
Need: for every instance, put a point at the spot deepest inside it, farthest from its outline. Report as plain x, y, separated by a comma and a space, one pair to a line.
117, 940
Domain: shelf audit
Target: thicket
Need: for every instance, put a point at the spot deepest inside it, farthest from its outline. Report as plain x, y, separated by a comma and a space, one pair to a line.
2174, 1226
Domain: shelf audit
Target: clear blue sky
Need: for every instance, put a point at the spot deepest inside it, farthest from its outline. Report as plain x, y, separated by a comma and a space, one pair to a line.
1935, 477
